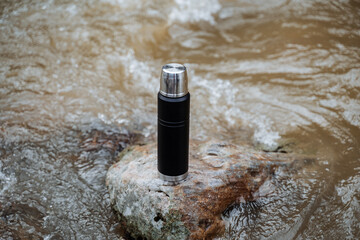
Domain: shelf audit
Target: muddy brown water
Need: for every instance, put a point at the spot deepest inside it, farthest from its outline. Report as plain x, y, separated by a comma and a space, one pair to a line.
78, 79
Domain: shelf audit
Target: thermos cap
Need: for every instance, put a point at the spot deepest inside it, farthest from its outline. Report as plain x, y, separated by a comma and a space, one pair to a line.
173, 80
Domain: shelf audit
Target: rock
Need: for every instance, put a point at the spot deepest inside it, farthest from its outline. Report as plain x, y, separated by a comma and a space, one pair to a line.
220, 174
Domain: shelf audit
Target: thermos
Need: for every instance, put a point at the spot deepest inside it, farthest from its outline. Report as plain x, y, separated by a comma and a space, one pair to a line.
173, 123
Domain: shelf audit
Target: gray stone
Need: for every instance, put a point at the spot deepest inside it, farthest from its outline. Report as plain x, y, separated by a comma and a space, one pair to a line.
220, 175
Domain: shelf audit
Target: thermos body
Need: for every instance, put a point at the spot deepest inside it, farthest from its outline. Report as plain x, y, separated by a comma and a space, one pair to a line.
173, 123
173, 135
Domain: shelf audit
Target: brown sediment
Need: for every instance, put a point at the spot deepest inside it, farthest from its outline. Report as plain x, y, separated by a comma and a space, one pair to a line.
114, 142
210, 203
202, 207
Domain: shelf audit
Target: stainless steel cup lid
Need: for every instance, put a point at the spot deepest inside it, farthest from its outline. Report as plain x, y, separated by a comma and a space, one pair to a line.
173, 80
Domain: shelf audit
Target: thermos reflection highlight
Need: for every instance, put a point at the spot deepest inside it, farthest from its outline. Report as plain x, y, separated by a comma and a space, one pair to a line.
173, 123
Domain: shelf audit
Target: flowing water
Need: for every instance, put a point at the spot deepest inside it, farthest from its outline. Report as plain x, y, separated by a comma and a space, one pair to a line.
78, 82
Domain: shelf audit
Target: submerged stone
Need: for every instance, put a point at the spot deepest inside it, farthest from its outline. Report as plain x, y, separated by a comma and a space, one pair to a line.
220, 175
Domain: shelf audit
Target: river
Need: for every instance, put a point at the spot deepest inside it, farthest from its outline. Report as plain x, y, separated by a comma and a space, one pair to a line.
78, 83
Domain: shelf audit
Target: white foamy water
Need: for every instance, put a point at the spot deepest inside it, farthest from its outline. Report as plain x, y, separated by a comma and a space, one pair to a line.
194, 11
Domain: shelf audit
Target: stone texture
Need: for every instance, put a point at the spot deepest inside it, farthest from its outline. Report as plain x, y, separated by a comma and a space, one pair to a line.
220, 174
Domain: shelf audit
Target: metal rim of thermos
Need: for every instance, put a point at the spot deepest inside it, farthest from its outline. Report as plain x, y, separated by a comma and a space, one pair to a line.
172, 178
173, 80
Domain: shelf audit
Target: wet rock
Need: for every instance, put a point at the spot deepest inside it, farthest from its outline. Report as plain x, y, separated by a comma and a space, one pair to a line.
220, 175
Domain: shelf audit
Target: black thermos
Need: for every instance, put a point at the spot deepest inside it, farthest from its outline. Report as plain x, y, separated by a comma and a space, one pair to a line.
173, 123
